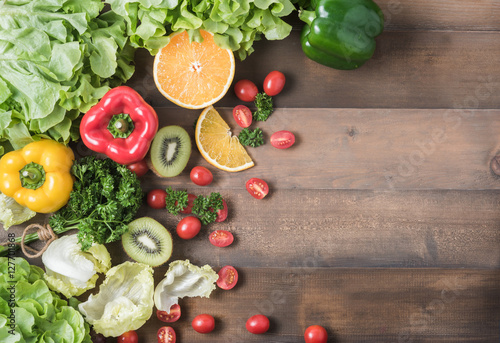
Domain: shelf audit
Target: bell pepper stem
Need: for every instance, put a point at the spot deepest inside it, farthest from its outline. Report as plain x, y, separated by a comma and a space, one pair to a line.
32, 176
307, 16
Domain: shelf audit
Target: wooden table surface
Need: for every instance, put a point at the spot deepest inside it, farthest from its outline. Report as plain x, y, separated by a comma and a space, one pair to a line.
382, 223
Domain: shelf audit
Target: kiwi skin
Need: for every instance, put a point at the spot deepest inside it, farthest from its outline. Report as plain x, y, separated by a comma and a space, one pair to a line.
156, 155
157, 233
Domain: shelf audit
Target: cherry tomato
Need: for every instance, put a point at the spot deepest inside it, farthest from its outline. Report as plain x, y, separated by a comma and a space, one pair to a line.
221, 238
139, 168
189, 207
246, 90
166, 335
169, 317
274, 83
222, 214
242, 115
257, 324
203, 323
257, 188
128, 337
228, 277
315, 334
282, 139
156, 198
201, 176
188, 227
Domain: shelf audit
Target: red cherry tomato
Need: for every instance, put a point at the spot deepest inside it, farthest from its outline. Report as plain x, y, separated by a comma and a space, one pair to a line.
188, 227
274, 83
128, 337
203, 323
156, 198
169, 317
189, 207
257, 324
246, 90
257, 188
315, 334
242, 115
221, 238
201, 176
166, 335
139, 168
222, 214
228, 277
282, 139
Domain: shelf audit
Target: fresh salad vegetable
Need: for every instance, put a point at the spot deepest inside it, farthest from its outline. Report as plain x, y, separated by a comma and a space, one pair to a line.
11, 213
246, 90
156, 198
38, 175
71, 271
184, 279
188, 227
341, 33
39, 313
282, 139
257, 188
228, 277
242, 115
121, 126
124, 301
171, 315
235, 24
176, 201
58, 59
139, 168
274, 83
221, 238
203, 323
257, 324
264, 105
166, 334
316, 334
201, 176
253, 138
128, 337
206, 207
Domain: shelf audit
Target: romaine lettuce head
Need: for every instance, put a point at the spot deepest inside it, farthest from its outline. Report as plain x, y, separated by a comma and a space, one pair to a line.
124, 301
71, 271
184, 279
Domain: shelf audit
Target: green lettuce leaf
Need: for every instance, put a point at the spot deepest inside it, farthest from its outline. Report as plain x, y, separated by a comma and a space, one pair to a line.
11, 213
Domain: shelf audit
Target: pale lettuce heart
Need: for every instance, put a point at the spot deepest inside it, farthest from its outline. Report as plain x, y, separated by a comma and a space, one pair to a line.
184, 279
71, 271
11, 213
124, 301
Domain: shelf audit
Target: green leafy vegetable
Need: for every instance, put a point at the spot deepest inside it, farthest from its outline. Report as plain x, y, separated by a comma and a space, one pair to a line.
264, 104
124, 302
206, 207
105, 198
57, 59
249, 137
176, 200
11, 213
235, 24
40, 315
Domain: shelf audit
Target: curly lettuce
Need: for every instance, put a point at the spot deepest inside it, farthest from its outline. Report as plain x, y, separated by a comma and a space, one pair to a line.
71, 271
184, 279
235, 24
124, 301
35, 314
57, 58
11, 213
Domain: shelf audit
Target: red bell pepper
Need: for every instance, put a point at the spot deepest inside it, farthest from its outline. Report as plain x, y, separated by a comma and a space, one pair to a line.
121, 126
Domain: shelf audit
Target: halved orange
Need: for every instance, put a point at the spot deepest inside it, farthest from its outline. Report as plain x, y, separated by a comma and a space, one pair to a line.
217, 145
191, 74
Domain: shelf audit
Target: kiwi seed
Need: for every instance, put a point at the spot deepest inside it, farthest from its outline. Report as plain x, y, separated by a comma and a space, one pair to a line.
147, 241
170, 151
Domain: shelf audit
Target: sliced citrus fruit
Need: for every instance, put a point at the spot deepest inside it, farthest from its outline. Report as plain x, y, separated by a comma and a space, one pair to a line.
217, 145
191, 74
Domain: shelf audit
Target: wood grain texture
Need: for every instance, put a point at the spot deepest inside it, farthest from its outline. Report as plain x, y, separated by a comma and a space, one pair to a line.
374, 149
354, 305
409, 70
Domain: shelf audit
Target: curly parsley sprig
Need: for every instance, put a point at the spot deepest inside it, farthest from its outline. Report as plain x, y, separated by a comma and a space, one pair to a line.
264, 104
176, 201
206, 207
249, 137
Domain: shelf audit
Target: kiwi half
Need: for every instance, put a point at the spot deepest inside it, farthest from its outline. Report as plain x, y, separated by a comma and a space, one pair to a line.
147, 241
170, 151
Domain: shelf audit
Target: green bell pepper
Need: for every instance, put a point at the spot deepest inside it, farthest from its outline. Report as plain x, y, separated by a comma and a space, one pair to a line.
341, 33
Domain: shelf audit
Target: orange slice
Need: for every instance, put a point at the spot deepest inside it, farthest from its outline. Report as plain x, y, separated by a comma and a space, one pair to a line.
193, 75
217, 145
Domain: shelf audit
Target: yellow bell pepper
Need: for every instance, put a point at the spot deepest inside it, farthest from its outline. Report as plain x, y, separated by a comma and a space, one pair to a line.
38, 175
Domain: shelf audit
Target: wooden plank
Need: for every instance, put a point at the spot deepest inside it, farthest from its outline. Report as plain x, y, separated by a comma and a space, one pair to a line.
375, 149
408, 70
354, 305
